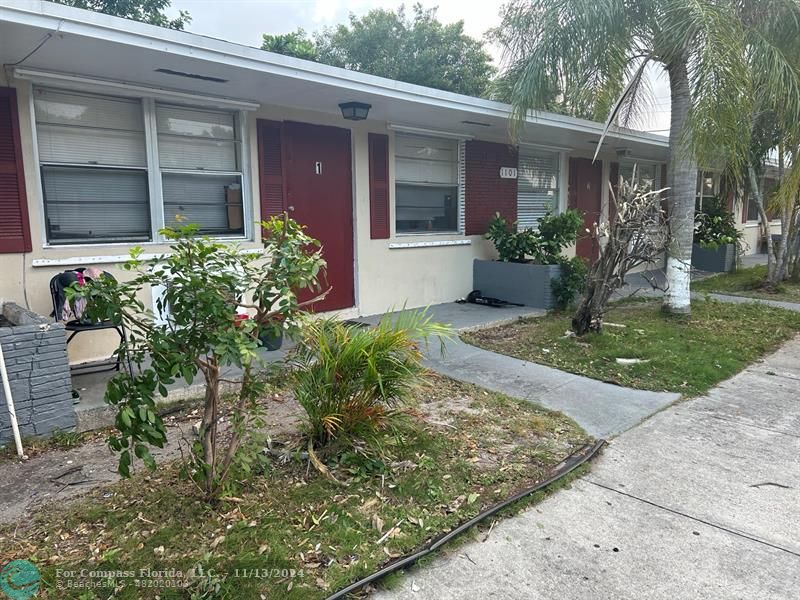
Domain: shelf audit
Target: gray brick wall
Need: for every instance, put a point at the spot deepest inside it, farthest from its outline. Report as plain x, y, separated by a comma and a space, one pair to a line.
35, 351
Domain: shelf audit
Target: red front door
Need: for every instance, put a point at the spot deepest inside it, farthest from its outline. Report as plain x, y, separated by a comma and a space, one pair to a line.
586, 194
319, 195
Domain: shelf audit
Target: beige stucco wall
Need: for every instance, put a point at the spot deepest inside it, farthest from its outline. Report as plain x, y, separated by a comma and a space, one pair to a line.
751, 230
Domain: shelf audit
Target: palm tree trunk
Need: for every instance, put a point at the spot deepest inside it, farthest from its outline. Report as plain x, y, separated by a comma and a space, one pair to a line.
682, 183
755, 190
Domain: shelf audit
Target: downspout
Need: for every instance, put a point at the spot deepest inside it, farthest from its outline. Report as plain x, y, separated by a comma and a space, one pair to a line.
10, 403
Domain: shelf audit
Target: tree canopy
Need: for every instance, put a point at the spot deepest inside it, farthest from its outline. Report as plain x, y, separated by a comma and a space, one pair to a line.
295, 43
416, 49
146, 11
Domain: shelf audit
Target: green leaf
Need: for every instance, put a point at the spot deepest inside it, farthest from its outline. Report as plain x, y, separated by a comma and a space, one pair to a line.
126, 415
125, 464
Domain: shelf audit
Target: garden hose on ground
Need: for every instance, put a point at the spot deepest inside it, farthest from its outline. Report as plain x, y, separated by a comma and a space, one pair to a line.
568, 465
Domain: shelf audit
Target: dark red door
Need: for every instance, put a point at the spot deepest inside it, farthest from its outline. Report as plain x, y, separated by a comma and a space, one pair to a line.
586, 194
319, 195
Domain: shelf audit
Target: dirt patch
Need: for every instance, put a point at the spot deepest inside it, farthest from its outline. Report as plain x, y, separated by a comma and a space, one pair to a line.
460, 450
54, 475
492, 432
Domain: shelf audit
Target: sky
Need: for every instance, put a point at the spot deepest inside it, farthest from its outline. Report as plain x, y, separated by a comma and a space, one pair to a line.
243, 22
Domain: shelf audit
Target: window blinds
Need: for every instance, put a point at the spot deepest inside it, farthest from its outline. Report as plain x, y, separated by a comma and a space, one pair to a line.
537, 186
424, 160
93, 159
201, 179
95, 204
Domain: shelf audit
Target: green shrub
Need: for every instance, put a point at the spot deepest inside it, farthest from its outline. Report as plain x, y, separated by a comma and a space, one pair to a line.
572, 281
206, 283
542, 245
351, 379
715, 225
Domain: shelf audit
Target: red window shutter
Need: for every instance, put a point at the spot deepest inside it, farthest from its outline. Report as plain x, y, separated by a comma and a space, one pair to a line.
378, 186
485, 192
270, 171
613, 177
15, 229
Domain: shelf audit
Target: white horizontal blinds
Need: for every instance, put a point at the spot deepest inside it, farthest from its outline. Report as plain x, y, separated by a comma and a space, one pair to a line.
426, 160
214, 202
78, 209
462, 185
196, 139
537, 186
199, 157
93, 158
426, 184
89, 130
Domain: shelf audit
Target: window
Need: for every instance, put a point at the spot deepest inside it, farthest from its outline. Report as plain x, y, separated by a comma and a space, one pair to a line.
426, 184
114, 169
201, 179
93, 160
646, 174
537, 186
707, 186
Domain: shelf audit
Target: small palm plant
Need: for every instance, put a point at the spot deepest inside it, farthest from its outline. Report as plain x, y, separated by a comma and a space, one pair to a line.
351, 379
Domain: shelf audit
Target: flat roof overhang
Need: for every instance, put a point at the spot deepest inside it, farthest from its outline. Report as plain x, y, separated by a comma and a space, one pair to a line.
93, 45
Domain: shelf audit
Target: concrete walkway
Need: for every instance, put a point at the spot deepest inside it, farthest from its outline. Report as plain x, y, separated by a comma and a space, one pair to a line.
744, 299
700, 501
602, 409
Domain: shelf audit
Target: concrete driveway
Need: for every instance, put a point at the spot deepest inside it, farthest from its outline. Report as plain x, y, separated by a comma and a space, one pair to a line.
701, 501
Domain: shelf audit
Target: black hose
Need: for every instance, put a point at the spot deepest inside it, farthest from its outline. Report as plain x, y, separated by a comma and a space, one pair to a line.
575, 460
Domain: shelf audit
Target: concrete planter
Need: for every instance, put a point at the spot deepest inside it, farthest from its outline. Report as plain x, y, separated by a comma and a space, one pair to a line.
714, 260
521, 283
35, 351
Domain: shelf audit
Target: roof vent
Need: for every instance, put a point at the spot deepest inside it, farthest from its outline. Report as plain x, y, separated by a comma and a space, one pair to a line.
477, 123
192, 75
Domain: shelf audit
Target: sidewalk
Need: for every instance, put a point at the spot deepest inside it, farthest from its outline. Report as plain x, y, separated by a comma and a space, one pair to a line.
602, 409
700, 501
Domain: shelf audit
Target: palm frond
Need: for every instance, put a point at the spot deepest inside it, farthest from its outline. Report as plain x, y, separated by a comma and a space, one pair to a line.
573, 49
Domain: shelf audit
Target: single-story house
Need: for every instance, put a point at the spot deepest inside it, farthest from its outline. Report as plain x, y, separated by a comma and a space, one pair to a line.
109, 128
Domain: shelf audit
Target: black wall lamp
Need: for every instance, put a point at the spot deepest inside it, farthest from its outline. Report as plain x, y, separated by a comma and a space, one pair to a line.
355, 111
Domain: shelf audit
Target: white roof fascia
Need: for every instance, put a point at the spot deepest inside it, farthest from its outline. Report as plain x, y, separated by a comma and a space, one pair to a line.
104, 85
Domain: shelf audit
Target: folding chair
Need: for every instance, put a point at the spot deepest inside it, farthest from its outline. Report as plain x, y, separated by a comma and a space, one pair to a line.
58, 285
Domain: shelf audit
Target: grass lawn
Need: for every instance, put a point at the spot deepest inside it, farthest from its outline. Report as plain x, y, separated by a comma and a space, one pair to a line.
686, 355
748, 282
289, 532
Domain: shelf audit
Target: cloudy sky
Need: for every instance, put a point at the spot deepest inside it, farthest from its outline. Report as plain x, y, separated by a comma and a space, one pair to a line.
243, 21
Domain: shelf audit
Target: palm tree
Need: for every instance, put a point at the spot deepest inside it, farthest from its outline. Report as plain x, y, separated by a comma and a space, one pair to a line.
598, 51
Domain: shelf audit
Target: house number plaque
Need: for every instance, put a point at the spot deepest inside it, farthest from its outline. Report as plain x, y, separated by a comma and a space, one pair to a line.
508, 172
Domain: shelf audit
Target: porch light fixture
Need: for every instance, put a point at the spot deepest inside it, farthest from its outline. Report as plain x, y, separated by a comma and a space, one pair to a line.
355, 111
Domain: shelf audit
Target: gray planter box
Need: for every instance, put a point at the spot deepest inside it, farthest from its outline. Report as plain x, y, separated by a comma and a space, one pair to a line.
719, 260
35, 351
521, 283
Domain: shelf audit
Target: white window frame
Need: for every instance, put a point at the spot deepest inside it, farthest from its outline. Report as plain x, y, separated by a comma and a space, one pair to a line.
716, 181
156, 201
460, 184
